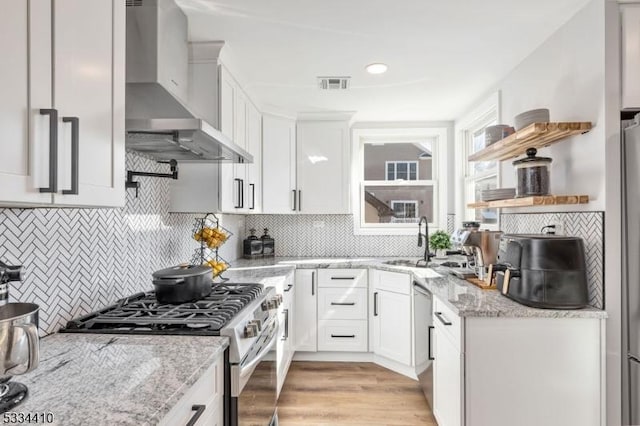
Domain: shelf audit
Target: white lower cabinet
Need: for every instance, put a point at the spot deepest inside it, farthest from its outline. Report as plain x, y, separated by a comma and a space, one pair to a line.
391, 316
447, 369
286, 347
527, 371
342, 310
205, 397
306, 306
342, 335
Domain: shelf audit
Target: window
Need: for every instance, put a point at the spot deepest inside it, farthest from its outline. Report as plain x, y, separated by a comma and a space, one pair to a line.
479, 176
396, 173
405, 209
402, 170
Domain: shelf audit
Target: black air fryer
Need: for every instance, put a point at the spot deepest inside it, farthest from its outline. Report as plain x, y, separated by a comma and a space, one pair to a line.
543, 271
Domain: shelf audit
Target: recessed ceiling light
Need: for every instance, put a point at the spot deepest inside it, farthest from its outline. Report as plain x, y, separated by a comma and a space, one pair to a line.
378, 68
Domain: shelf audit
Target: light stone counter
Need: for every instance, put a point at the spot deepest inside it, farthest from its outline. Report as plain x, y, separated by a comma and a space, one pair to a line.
110, 379
464, 298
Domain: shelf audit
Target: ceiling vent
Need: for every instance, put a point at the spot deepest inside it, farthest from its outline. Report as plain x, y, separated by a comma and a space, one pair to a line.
333, 83
134, 3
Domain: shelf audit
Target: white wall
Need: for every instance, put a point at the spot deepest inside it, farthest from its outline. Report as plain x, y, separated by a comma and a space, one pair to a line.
566, 75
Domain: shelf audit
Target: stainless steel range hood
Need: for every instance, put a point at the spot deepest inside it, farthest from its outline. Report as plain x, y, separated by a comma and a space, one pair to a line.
158, 123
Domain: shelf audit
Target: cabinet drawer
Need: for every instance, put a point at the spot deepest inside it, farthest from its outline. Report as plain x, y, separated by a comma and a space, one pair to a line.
396, 282
342, 278
342, 303
341, 335
448, 321
206, 391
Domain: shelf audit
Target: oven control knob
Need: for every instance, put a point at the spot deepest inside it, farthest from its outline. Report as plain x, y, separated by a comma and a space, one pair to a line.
250, 330
257, 323
265, 305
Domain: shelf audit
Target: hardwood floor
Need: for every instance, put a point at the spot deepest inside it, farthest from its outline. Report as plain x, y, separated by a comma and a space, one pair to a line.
336, 393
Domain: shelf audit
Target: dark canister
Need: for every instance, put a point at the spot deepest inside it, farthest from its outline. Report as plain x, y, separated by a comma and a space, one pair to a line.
268, 244
532, 174
252, 246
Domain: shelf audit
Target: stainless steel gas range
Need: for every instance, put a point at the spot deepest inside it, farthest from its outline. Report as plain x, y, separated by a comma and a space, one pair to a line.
246, 313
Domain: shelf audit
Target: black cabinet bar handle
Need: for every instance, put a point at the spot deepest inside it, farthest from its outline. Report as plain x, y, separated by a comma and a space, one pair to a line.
295, 200
242, 193
343, 278
299, 200
75, 146
344, 336
288, 289
313, 290
286, 324
238, 192
199, 410
342, 304
53, 149
375, 304
442, 318
431, 358
253, 196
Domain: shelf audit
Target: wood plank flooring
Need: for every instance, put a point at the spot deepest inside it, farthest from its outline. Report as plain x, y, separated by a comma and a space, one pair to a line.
336, 393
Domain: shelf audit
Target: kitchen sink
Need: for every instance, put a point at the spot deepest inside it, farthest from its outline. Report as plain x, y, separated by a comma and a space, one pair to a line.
422, 270
410, 263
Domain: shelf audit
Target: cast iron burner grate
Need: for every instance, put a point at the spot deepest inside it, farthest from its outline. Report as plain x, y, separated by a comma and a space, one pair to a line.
143, 314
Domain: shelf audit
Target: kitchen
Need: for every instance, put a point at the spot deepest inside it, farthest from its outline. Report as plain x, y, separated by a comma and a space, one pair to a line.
333, 167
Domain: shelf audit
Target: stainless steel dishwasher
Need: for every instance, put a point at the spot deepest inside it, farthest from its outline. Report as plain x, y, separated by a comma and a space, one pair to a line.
423, 328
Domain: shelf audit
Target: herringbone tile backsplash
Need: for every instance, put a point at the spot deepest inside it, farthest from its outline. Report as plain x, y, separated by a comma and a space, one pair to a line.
587, 225
299, 235
79, 260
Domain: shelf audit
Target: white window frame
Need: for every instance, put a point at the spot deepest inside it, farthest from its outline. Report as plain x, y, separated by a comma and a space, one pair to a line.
395, 170
485, 114
439, 137
405, 202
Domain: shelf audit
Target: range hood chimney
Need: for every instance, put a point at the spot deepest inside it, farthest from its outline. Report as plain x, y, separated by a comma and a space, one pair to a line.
159, 121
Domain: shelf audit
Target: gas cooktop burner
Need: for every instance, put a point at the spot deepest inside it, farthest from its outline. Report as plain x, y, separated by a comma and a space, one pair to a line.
143, 314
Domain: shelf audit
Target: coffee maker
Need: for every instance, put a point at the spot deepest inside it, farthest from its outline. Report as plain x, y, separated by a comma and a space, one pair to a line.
481, 249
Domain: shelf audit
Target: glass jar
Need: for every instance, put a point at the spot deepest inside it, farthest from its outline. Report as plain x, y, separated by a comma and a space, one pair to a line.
532, 174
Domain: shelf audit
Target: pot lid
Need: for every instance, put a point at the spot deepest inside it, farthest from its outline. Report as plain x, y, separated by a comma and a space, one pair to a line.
531, 157
182, 271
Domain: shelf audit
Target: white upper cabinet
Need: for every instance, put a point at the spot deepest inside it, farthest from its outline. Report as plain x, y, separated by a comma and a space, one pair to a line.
253, 188
25, 148
323, 167
227, 103
630, 21
278, 162
89, 59
72, 145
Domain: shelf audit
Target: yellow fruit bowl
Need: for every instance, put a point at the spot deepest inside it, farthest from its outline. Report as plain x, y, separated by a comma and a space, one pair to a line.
212, 237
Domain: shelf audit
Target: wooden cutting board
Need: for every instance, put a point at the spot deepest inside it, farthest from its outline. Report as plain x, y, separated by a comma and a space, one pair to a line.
482, 284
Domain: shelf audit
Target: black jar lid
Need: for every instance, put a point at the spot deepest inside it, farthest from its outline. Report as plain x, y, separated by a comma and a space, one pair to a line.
531, 157
253, 234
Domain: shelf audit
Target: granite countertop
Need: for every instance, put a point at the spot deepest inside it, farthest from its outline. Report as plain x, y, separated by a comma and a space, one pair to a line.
464, 298
108, 379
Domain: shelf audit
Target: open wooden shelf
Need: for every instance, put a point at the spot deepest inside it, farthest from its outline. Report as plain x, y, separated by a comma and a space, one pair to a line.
536, 135
544, 200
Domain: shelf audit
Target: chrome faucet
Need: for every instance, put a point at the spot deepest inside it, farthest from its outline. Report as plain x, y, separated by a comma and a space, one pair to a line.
8, 273
421, 237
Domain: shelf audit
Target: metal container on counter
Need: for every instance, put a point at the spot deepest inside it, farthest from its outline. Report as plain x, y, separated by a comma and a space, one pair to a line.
252, 246
532, 174
268, 244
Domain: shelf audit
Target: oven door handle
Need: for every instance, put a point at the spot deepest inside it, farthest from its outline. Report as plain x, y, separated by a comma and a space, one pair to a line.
248, 369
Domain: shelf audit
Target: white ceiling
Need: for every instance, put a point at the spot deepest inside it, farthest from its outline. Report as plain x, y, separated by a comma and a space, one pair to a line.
442, 55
